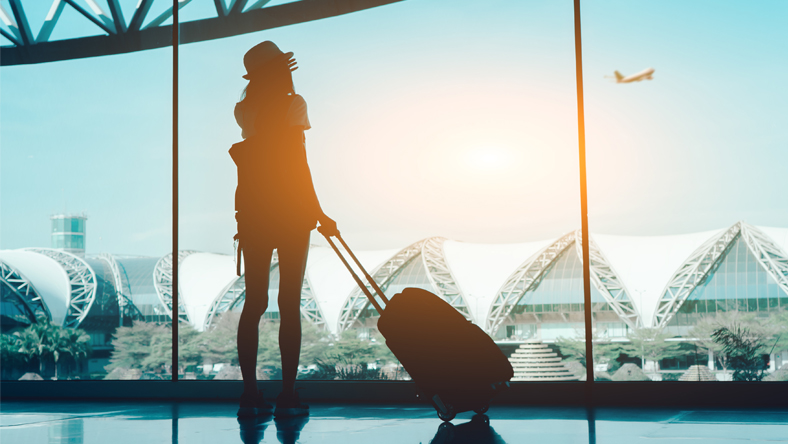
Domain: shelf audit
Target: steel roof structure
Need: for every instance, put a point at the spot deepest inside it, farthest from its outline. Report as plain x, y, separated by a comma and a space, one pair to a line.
21, 293
119, 35
643, 280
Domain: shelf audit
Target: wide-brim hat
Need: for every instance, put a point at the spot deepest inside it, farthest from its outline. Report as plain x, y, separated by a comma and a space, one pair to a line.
265, 55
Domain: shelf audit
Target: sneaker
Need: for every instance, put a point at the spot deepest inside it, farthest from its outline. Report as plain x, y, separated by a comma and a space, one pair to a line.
288, 405
254, 405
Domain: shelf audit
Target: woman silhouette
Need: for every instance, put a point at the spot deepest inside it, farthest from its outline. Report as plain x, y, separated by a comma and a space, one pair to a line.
276, 208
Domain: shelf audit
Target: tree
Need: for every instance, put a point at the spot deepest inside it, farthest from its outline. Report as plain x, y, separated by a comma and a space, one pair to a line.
35, 342
73, 343
778, 330
143, 345
743, 348
314, 343
774, 331
706, 326
650, 344
218, 343
574, 349
44, 340
10, 356
348, 356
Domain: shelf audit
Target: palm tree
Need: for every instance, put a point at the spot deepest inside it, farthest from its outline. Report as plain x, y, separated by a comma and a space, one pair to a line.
9, 353
36, 343
743, 347
43, 339
70, 342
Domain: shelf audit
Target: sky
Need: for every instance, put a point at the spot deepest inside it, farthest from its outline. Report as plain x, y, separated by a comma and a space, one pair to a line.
430, 118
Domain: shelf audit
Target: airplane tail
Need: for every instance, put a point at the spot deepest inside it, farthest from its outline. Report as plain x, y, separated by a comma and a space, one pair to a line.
618, 75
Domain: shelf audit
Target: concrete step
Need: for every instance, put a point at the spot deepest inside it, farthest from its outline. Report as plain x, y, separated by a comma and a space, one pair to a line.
520, 359
535, 373
535, 355
555, 378
538, 365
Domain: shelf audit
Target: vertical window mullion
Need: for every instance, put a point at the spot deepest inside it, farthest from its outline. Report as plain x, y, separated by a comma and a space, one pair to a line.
583, 198
175, 313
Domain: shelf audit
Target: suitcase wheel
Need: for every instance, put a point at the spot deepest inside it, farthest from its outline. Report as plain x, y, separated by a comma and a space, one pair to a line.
445, 410
482, 409
448, 415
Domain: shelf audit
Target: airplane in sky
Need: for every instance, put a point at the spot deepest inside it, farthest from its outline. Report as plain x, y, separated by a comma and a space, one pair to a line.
642, 75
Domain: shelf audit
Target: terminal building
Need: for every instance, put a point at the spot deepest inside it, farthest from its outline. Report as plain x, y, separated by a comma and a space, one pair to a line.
515, 292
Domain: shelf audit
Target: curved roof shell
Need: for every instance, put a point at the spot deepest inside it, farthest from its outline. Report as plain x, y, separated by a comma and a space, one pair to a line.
778, 235
202, 277
481, 269
646, 263
47, 276
644, 266
331, 282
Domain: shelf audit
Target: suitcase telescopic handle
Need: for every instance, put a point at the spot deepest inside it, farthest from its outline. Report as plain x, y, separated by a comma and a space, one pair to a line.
371, 281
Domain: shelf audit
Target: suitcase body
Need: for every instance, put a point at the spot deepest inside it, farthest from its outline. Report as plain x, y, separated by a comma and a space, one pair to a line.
455, 364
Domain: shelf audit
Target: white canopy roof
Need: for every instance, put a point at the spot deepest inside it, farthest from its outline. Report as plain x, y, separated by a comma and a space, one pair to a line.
481, 269
646, 263
202, 277
331, 282
778, 235
47, 276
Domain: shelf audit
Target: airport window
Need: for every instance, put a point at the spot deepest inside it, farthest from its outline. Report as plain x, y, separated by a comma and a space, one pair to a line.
632, 88
75, 136
445, 175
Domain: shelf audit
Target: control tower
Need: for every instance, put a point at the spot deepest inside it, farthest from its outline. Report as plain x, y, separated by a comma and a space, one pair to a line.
68, 233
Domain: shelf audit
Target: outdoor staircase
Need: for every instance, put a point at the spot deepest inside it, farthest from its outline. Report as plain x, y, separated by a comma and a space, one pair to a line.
534, 361
697, 373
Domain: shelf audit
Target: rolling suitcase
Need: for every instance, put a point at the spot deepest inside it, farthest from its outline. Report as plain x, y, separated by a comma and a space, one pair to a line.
455, 364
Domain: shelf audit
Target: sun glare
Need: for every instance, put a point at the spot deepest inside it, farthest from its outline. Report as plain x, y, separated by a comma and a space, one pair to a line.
488, 158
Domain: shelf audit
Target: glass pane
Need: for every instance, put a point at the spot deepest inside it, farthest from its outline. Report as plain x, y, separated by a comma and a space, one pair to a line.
85, 138
434, 132
688, 252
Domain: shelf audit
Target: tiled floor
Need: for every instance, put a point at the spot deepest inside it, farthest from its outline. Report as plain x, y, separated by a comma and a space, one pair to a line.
122, 423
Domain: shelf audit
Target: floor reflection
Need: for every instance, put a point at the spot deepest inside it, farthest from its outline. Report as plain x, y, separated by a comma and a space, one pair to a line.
478, 431
70, 431
253, 429
202, 422
288, 430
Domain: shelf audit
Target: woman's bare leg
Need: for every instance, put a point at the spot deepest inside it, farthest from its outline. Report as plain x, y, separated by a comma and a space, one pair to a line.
292, 266
257, 262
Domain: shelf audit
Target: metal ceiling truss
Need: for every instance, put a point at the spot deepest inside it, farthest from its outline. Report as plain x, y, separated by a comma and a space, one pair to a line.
357, 302
692, 273
771, 257
608, 283
162, 281
235, 293
123, 295
28, 298
82, 281
525, 278
119, 35
441, 277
